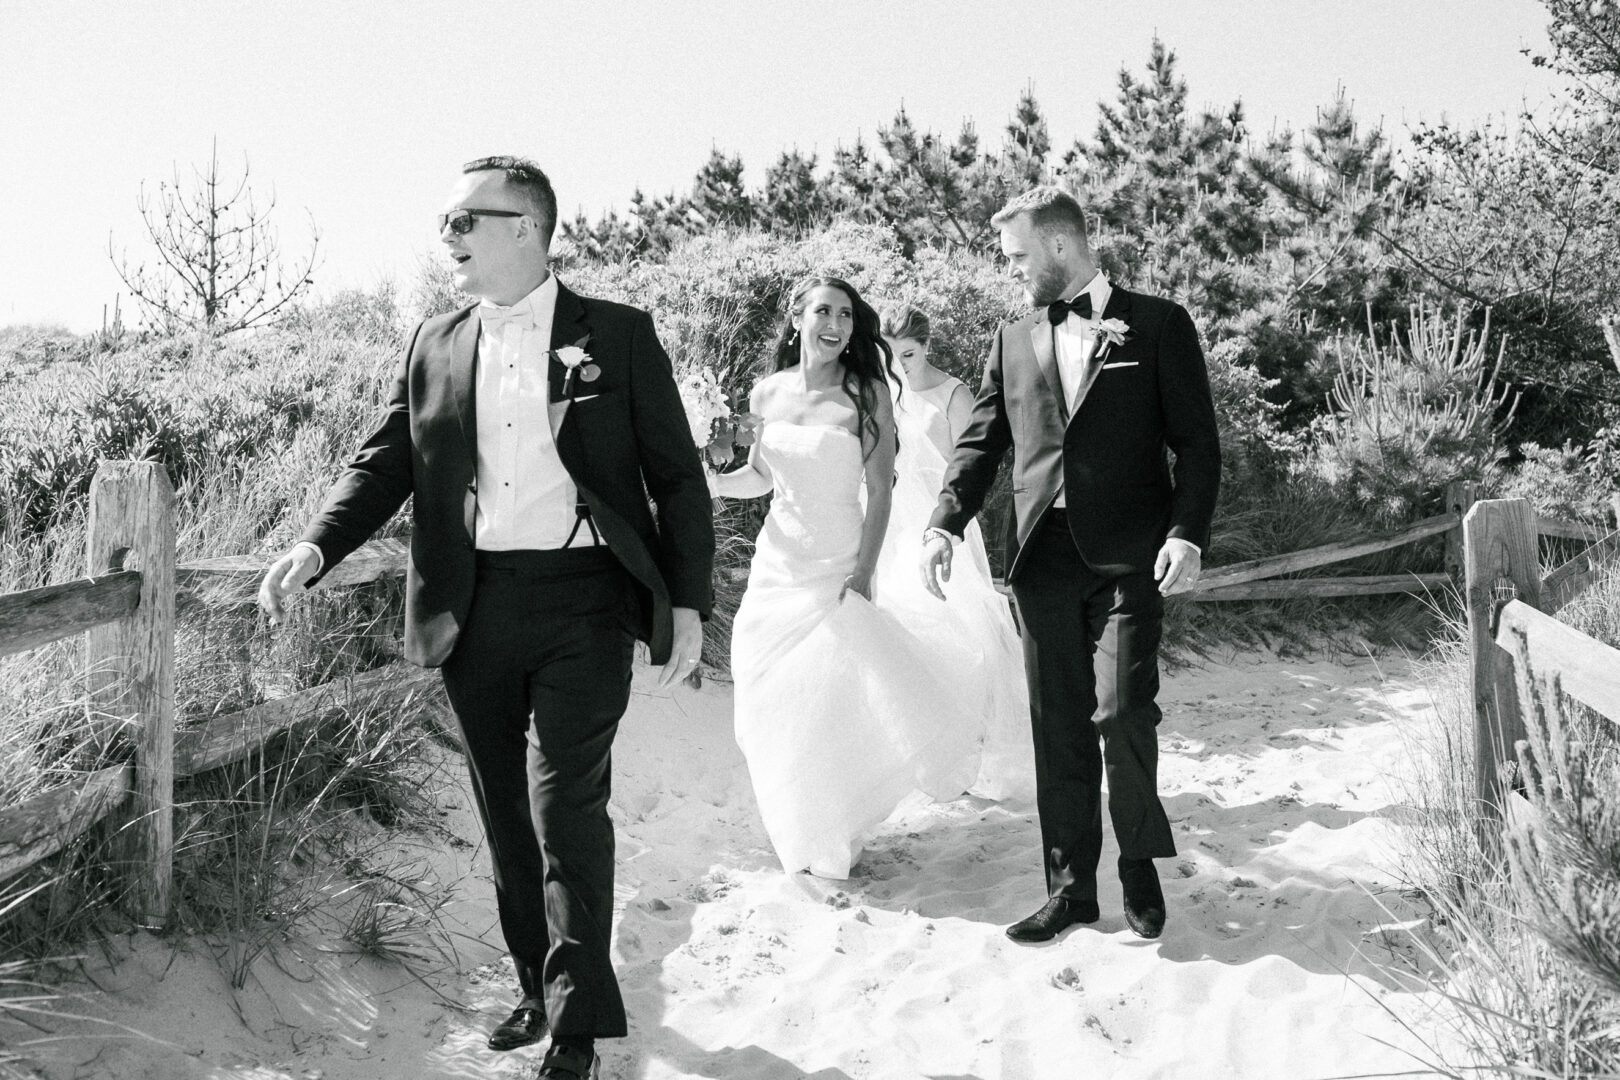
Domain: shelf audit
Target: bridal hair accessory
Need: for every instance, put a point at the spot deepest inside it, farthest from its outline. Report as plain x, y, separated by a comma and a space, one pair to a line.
578, 364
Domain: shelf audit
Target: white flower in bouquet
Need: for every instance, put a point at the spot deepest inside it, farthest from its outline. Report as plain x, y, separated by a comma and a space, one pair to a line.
704, 401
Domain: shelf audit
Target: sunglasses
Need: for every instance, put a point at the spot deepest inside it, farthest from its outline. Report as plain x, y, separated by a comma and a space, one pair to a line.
461, 221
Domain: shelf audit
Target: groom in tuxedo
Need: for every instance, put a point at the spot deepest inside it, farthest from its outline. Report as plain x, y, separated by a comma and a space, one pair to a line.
1089, 391
529, 430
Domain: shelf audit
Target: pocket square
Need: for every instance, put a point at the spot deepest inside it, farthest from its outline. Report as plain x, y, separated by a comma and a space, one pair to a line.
577, 398
1121, 363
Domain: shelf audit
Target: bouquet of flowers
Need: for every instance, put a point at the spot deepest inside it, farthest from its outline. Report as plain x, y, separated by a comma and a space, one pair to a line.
717, 429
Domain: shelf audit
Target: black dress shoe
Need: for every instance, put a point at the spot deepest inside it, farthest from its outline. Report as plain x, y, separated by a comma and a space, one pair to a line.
1055, 915
526, 1024
1144, 899
565, 1062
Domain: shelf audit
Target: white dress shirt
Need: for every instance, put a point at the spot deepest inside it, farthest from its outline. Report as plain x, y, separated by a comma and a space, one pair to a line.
526, 499
1071, 342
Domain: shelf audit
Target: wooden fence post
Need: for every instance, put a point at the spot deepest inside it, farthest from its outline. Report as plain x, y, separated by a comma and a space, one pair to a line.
1499, 547
1459, 497
131, 670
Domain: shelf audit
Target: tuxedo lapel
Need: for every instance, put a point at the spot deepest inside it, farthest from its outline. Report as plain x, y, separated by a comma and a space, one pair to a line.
567, 327
463, 379
463, 392
1119, 307
1040, 338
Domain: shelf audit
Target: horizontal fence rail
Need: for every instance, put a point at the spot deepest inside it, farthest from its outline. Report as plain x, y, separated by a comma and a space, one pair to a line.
1586, 669
237, 577
41, 826
38, 617
1325, 587
1341, 551
234, 736
1561, 585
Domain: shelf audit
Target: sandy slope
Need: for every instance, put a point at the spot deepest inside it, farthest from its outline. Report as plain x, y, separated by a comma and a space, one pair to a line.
1276, 777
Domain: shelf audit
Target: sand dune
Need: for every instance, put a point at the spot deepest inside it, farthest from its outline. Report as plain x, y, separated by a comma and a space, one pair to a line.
1283, 956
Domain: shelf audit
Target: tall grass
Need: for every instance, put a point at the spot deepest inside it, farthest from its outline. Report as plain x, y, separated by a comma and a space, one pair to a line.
1526, 930
308, 833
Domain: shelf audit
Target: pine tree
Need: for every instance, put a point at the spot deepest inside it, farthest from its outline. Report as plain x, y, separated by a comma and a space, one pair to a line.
793, 199
718, 195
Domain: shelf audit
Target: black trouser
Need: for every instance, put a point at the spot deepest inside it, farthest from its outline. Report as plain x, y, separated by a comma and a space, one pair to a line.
538, 680
1091, 654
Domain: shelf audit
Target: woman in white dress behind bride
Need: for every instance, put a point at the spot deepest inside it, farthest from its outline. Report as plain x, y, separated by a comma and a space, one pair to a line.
931, 412
840, 712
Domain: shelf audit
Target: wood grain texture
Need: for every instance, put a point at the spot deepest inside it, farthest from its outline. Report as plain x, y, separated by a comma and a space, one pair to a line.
1499, 547
236, 577
237, 735
1547, 525
1324, 587
40, 827
131, 669
1276, 565
1584, 668
1565, 582
38, 617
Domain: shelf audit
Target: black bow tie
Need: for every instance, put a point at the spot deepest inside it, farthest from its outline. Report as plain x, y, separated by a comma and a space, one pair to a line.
1058, 310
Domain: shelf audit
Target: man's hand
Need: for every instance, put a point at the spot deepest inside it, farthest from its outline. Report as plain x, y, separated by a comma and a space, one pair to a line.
286, 577
687, 646
1176, 568
936, 563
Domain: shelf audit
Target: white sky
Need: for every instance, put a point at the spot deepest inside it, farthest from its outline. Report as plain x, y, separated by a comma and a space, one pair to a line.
361, 113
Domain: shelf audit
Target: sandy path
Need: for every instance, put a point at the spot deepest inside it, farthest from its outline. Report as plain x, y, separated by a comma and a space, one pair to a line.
1276, 778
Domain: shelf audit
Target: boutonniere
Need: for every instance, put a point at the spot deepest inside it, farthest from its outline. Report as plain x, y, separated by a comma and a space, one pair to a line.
1106, 334
577, 365
1114, 331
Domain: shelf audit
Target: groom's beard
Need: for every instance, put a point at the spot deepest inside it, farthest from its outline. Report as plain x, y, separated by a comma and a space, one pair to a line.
1047, 286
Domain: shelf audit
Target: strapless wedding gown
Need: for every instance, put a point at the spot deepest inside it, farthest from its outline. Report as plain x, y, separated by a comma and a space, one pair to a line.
975, 617
841, 712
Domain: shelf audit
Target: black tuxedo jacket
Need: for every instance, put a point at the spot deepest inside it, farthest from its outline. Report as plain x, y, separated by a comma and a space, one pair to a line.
621, 437
1136, 399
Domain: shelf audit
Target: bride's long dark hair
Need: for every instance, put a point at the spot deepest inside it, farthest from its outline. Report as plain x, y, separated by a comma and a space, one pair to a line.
867, 362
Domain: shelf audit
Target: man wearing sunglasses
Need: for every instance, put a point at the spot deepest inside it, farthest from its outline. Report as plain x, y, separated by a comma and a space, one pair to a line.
530, 429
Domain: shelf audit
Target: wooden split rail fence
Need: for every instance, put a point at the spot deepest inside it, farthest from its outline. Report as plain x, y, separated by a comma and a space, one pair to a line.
125, 608
1514, 637
126, 604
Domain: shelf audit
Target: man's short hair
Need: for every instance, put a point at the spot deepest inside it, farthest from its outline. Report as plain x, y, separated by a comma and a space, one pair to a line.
1050, 209
529, 181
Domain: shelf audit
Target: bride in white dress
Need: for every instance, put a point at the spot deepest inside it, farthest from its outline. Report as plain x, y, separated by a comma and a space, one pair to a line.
931, 411
840, 712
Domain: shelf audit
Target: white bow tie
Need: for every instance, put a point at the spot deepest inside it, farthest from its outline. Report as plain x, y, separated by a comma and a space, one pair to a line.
496, 317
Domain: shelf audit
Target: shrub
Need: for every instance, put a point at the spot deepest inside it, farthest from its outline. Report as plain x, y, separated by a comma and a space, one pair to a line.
1411, 415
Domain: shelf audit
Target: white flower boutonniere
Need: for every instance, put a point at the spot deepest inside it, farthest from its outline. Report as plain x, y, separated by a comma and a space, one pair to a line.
1113, 331
577, 364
